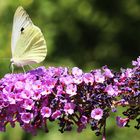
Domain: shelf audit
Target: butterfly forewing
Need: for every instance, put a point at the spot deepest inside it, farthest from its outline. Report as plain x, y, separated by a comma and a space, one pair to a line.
20, 22
28, 43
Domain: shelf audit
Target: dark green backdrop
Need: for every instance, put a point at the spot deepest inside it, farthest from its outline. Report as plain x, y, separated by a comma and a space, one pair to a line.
83, 33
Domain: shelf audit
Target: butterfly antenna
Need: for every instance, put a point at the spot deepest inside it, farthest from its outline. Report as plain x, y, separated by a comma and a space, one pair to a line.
1, 58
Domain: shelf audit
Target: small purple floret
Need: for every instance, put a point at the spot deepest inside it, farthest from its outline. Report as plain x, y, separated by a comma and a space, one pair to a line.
121, 122
97, 113
26, 117
46, 112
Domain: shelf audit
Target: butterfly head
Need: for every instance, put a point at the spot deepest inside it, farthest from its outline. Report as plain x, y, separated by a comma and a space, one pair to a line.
11, 60
15, 62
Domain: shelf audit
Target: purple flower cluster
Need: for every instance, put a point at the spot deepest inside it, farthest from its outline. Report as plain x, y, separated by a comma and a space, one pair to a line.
70, 96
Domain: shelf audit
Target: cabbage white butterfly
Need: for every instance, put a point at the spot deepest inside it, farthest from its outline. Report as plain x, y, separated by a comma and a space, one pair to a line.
28, 45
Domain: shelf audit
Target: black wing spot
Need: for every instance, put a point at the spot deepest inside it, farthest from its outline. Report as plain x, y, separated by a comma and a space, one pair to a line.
22, 29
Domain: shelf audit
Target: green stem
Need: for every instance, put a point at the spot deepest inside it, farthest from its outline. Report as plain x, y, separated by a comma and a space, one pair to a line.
104, 131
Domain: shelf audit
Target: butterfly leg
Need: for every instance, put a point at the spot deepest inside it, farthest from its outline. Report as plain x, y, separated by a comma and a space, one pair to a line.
30, 66
12, 67
23, 69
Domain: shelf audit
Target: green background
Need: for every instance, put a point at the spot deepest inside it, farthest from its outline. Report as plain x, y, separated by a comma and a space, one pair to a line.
83, 33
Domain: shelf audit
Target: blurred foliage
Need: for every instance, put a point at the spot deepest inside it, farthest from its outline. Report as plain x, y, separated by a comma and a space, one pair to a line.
83, 33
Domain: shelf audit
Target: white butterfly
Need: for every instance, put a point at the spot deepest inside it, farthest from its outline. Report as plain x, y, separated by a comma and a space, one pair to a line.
27, 44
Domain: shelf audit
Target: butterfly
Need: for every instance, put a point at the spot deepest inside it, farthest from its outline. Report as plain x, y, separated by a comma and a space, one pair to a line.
28, 45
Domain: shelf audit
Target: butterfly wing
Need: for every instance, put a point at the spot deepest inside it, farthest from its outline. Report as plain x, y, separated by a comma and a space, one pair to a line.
30, 47
28, 43
21, 20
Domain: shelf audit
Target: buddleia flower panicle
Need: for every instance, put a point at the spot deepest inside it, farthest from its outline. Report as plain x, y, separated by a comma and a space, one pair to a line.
71, 97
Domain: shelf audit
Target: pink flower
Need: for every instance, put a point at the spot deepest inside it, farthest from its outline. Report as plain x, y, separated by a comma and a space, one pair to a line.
76, 71
26, 94
128, 72
19, 85
112, 90
97, 113
60, 90
28, 104
36, 96
107, 72
56, 114
71, 89
121, 122
88, 78
99, 78
66, 80
84, 119
69, 108
46, 112
26, 117
136, 63
37, 85
78, 79
12, 98
50, 82
46, 91
52, 71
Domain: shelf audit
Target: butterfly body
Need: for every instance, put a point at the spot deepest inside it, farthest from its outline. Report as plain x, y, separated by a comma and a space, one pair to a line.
28, 43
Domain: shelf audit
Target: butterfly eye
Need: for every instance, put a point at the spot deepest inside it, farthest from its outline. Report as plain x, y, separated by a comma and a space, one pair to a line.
22, 29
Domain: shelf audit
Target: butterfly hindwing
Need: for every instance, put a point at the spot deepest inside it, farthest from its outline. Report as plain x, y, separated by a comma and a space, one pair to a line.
31, 46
